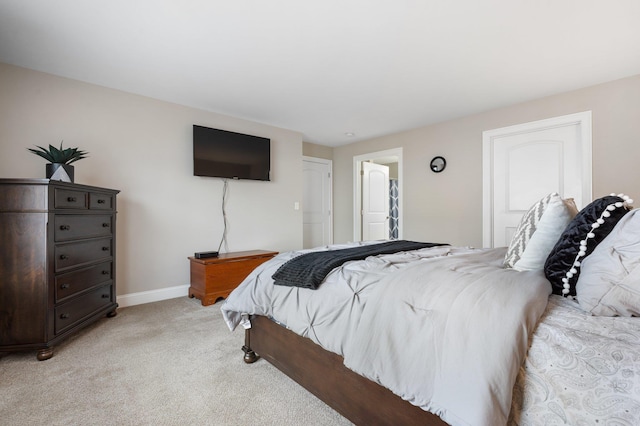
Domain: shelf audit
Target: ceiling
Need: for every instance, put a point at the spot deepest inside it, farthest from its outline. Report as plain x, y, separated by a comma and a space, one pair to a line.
337, 71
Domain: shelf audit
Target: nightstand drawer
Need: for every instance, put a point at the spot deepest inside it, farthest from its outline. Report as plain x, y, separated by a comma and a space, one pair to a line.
70, 313
99, 201
71, 227
81, 253
70, 199
66, 285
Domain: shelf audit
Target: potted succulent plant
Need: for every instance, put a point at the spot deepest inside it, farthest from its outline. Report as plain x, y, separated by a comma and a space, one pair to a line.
59, 167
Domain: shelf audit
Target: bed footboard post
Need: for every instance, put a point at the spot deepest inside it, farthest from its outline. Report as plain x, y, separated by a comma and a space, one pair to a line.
249, 355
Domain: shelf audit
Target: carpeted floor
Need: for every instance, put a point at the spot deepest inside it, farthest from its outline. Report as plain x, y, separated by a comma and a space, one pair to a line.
172, 362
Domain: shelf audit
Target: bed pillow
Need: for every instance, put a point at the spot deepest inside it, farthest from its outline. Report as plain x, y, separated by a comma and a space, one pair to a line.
609, 281
538, 231
590, 226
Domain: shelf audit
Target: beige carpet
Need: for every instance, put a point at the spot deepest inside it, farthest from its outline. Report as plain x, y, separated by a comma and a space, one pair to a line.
166, 363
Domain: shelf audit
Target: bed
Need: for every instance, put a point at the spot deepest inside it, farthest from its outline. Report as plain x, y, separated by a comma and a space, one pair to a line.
541, 332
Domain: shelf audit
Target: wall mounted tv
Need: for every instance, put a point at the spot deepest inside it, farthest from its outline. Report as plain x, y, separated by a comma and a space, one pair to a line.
224, 154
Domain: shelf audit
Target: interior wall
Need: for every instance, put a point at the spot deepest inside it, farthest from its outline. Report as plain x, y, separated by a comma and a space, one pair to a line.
447, 206
143, 147
319, 151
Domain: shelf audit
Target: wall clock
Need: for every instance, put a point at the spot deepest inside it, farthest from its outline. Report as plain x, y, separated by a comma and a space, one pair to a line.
438, 164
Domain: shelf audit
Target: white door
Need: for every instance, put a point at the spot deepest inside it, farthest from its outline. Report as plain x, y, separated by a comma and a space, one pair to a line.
316, 202
375, 201
524, 163
389, 157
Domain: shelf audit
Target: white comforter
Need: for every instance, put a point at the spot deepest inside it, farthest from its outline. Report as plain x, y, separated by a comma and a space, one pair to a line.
446, 331
449, 336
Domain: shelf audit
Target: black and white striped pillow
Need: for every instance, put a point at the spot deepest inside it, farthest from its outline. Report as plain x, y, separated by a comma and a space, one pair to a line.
538, 231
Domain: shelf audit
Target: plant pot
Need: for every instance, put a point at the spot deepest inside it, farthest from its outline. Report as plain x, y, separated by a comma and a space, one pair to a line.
58, 171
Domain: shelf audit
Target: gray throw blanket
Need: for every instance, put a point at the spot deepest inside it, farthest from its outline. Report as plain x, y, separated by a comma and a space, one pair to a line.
310, 269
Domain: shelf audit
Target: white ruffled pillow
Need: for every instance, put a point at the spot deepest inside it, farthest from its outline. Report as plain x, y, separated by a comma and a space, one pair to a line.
538, 232
609, 281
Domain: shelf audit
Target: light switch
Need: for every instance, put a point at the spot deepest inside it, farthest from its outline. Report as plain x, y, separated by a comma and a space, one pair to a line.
296, 205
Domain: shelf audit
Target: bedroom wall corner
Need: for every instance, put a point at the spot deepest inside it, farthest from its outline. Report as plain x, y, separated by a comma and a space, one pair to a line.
447, 207
143, 147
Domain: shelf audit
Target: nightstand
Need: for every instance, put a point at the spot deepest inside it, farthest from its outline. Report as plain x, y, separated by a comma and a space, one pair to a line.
215, 277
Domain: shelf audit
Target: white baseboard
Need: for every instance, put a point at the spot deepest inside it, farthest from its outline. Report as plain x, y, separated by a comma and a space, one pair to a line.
152, 296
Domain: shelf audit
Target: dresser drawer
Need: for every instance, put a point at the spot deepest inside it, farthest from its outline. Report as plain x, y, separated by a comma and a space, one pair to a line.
71, 227
69, 313
71, 283
80, 253
70, 199
98, 201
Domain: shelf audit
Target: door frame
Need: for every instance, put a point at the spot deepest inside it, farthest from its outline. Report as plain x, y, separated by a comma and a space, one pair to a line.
329, 164
357, 189
581, 119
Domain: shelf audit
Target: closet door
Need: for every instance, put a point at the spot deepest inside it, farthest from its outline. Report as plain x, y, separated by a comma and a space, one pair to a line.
523, 163
316, 202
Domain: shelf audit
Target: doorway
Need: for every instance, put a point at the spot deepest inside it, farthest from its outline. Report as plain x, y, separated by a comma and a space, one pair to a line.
392, 159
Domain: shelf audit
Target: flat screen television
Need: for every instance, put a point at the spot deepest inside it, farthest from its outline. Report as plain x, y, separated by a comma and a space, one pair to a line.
224, 154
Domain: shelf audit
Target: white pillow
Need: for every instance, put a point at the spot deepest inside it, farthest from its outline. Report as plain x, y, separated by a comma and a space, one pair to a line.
609, 281
538, 232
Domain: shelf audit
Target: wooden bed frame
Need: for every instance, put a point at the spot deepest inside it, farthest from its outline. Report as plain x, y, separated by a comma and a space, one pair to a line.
323, 373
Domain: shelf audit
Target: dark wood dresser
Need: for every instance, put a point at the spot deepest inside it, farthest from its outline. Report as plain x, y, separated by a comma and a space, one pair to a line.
57, 261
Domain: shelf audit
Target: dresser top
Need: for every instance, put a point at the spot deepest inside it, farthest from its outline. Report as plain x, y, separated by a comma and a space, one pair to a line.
20, 181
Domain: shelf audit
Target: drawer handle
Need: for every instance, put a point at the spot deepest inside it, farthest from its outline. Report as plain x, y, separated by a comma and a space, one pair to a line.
64, 316
63, 286
105, 296
105, 248
105, 225
64, 227
63, 257
101, 201
72, 199
105, 272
